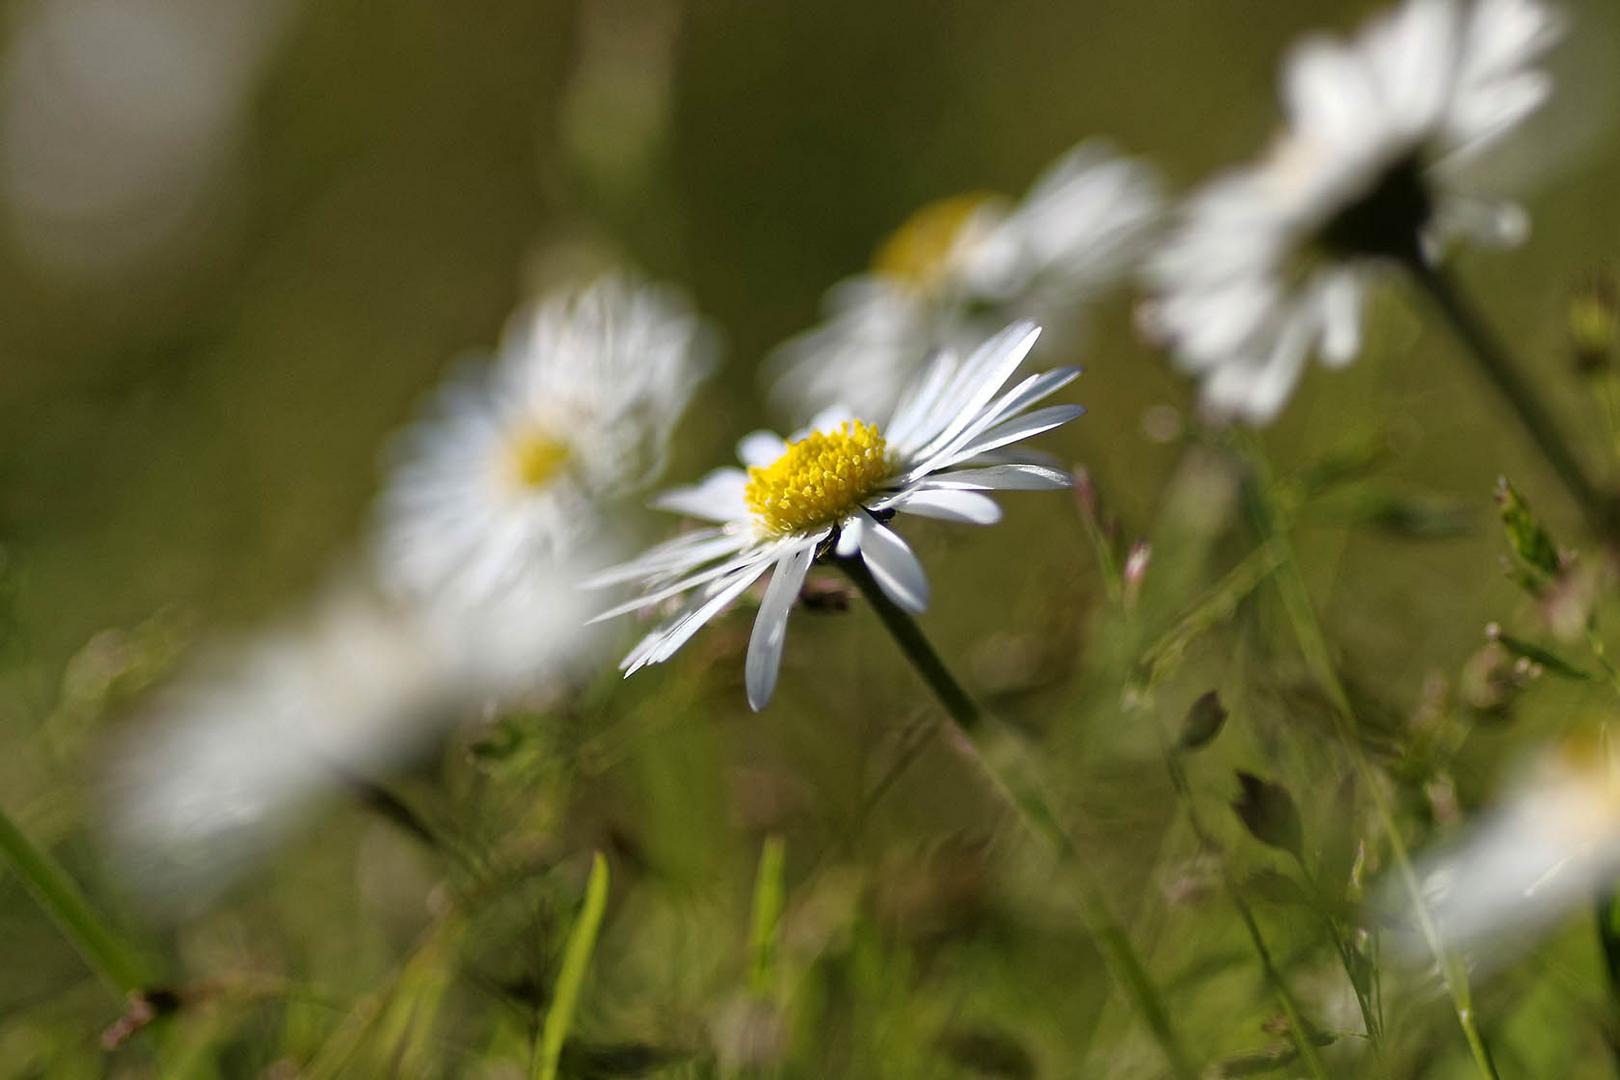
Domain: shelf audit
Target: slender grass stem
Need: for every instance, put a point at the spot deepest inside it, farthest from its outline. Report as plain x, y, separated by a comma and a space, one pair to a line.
1025, 796
576, 961
1304, 1037
53, 890
1501, 371
766, 925
1341, 945
1313, 645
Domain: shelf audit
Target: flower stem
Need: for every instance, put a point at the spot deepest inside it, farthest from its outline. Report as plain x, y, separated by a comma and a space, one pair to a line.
1313, 645
1025, 796
1493, 359
57, 893
1304, 1036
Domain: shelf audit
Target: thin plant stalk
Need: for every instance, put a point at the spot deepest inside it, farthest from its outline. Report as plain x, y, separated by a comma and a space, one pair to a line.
575, 963
99, 945
1312, 641
967, 719
1341, 945
1304, 1038
1505, 375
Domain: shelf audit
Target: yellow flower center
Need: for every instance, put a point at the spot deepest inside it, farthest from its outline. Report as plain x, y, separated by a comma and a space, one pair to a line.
918, 252
535, 458
819, 479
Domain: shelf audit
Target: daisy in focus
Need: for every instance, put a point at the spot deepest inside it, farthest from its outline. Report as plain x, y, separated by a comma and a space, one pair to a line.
963, 266
503, 477
1377, 165
833, 489
1546, 851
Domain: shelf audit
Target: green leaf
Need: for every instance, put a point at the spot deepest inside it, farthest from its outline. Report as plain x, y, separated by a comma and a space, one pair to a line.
1530, 543
1269, 813
1536, 654
1203, 722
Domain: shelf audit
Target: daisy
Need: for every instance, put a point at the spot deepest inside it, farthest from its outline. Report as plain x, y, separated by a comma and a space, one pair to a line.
504, 475
960, 268
228, 760
1377, 165
1550, 847
832, 490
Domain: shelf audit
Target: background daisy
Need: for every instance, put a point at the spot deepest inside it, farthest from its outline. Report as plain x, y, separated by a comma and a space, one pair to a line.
961, 267
506, 472
1269, 263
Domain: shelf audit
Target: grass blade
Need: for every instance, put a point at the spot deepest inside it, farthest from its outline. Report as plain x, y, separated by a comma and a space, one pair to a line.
762, 934
53, 890
576, 961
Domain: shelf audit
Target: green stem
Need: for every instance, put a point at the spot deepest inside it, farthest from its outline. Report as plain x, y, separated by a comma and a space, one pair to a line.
1304, 1038
54, 891
1313, 645
1499, 368
575, 963
1025, 796
963, 710
1342, 945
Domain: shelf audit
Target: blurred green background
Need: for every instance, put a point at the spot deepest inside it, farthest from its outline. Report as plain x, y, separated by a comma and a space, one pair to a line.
190, 437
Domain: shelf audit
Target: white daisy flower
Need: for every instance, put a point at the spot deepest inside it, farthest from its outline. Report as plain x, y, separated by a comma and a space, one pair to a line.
1545, 851
504, 476
832, 490
227, 761
1270, 263
962, 266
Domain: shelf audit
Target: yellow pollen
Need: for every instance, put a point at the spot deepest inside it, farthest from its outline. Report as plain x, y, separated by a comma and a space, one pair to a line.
918, 252
819, 479
535, 458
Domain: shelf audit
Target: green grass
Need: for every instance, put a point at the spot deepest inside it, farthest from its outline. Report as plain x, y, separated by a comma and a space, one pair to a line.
187, 450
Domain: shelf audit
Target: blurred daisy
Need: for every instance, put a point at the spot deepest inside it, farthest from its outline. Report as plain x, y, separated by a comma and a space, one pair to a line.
961, 267
1547, 850
1377, 165
225, 763
833, 489
503, 477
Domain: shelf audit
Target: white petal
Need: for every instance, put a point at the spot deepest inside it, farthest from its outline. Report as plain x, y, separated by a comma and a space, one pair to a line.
849, 536
692, 581
1021, 427
758, 449
1016, 400
684, 552
1328, 94
1341, 319
1016, 477
1412, 55
981, 378
770, 625
919, 400
892, 563
717, 497
968, 507
662, 644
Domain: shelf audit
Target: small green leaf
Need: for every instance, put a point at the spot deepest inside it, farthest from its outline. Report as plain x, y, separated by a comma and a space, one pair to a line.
1537, 655
1526, 537
1269, 813
1203, 722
